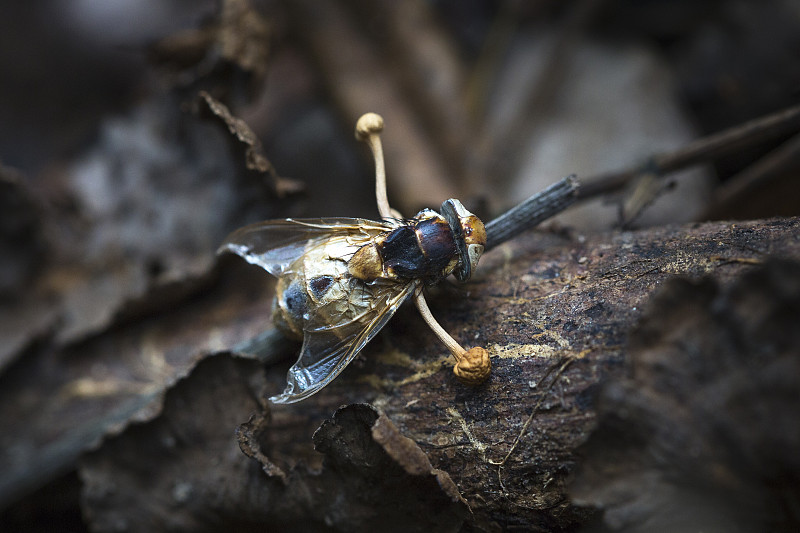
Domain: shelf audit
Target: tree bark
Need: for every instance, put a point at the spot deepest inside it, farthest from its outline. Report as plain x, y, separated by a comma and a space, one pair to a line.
554, 313
414, 448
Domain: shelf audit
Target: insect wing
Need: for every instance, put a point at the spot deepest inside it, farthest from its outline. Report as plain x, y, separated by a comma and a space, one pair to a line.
329, 348
275, 244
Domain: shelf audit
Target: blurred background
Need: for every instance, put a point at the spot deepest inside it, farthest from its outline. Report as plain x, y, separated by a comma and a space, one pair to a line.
118, 182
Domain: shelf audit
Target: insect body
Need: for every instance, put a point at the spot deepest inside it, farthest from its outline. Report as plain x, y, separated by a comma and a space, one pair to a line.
341, 279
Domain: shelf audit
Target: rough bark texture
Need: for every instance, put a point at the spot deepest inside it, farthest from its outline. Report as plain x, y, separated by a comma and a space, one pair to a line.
702, 433
554, 312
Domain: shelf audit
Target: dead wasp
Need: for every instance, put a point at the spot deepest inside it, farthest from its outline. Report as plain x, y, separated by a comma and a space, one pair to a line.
340, 280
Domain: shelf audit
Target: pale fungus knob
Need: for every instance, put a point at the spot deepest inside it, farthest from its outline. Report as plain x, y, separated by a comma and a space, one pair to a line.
368, 124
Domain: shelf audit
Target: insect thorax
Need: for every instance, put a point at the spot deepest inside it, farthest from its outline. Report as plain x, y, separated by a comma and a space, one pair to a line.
422, 249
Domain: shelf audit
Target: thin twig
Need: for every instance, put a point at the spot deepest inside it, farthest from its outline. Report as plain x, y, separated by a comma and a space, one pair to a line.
759, 173
532, 211
699, 151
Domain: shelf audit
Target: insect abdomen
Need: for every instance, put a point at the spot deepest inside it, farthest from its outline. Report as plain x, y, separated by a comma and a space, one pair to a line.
290, 306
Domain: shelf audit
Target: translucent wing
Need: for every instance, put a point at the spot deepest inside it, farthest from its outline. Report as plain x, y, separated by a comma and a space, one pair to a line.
275, 244
329, 348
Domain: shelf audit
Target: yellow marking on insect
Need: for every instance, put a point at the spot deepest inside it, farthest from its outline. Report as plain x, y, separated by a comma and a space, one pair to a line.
366, 263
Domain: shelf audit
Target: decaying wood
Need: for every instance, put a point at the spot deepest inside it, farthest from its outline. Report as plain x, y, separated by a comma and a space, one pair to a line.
553, 311
701, 434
